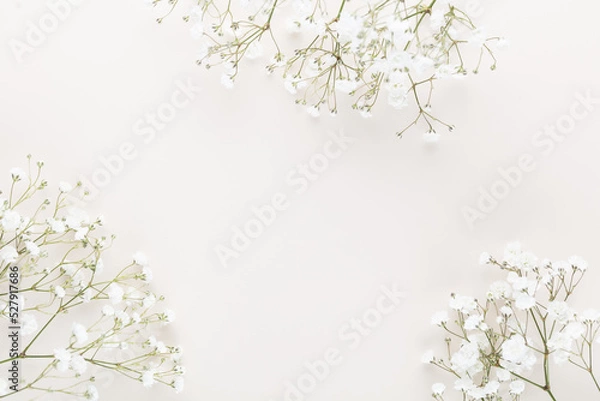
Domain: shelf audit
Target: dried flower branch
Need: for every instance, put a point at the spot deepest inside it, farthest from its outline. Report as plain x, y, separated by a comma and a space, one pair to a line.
68, 315
518, 334
384, 48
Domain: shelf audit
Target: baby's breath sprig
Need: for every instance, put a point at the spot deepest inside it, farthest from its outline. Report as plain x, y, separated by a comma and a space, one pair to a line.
392, 49
73, 316
519, 333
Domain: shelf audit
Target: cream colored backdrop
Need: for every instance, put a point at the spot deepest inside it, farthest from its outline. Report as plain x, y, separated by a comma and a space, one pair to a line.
385, 211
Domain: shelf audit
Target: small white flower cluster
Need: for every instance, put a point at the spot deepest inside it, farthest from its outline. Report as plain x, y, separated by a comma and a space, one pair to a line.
375, 49
519, 332
58, 251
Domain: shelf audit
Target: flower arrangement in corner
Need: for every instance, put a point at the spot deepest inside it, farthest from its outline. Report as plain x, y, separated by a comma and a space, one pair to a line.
68, 316
392, 49
519, 333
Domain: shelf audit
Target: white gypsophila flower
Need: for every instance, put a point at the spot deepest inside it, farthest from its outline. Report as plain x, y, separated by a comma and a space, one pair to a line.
147, 274
32, 248
560, 311
81, 233
499, 290
437, 19
440, 318
178, 384
575, 329
466, 359
77, 218
503, 375
560, 267
431, 137
485, 258
473, 322
11, 220
140, 258
398, 100
203, 52
502, 43
560, 356
87, 295
108, 310
365, 113
313, 111
578, 263
463, 303
18, 173
464, 384
59, 292
91, 393
149, 300
197, 30
445, 71
478, 37
161, 348
480, 339
254, 51
148, 378
348, 28
65, 187
56, 226
78, 364
80, 333
438, 388
122, 317
517, 354
115, 293
63, 358
168, 316
290, 84
522, 283
29, 324
8, 254
528, 261
69, 269
427, 357
561, 341
345, 85
511, 252
481, 393
524, 301
135, 317
293, 25
589, 315
477, 393
99, 266
227, 81
517, 387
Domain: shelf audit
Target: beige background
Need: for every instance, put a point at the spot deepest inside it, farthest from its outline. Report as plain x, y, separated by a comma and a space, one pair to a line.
387, 211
